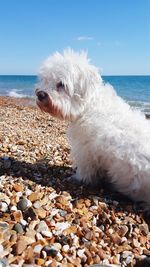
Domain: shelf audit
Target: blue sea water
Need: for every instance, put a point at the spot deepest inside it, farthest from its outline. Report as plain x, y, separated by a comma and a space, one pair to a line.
134, 89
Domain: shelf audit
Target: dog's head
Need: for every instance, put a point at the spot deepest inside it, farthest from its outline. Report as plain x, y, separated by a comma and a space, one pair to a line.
66, 84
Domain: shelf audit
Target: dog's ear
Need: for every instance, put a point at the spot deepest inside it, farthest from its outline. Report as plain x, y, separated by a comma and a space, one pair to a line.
89, 80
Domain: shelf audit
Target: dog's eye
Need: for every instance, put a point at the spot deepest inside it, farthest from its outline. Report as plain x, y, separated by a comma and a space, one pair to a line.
60, 85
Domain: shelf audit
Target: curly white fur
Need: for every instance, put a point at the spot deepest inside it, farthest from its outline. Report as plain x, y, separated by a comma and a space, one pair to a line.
106, 134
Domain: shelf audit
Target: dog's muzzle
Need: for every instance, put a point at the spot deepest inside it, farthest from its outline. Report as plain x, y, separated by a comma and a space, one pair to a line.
41, 95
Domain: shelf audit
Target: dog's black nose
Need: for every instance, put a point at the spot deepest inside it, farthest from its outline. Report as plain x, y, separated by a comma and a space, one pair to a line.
41, 95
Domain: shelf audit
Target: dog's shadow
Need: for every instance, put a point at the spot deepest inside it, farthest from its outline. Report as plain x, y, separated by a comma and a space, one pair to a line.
41, 172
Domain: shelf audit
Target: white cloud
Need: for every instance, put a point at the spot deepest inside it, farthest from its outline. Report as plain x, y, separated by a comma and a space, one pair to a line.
84, 38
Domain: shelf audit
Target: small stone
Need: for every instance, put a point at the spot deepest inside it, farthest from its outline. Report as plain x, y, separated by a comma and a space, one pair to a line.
35, 196
3, 206
4, 263
23, 222
30, 213
37, 249
96, 259
13, 208
13, 238
18, 187
80, 252
43, 254
41, 213
37, 204
4, 225
88, 235
63, 240
31, 234
65, 248
17, 215
123, 230
42, 226
144, 229
33, 224
1, 249
22, 204
128, 260
59, 257
126, 254
18, 228
48, 263
135, 242
29, 255
39, 261
19, 247
146, 252
50, 251
116, 238
39, 236
46, 233
101, 253
62, 213
58, 246
61, 226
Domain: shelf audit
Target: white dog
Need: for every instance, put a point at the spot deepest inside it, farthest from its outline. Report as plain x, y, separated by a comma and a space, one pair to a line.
106, 135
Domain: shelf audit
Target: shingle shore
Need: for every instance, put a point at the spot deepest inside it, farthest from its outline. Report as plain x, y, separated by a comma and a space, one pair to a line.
44, 219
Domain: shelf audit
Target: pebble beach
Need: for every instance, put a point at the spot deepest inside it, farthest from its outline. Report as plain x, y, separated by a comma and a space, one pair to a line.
45, 220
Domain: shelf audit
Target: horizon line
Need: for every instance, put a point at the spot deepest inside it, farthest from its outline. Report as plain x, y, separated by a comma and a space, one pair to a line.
100, 74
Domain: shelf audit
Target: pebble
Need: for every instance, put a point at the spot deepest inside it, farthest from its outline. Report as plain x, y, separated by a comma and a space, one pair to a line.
13, 208
35, 196
65, 248
144, 229
42, 226
37, 249
23, 222
22, 204
50, 251
41, 213
80, 252
19, 247
126, 254
3, 206
30, 213
37, 204
128, 260
136, 244
18, 228
46, 233
1, 250
18, 187
3, 262
17, 215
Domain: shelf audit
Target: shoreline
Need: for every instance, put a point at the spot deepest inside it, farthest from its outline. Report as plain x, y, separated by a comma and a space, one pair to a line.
30, 102
25, 101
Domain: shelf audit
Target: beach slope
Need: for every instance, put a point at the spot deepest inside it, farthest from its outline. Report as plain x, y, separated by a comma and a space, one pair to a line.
44, 219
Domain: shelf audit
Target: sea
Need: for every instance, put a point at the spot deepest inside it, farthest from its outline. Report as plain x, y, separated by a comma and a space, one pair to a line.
134, 89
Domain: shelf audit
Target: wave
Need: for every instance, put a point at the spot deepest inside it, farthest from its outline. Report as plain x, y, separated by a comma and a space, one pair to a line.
15, 93
142, 106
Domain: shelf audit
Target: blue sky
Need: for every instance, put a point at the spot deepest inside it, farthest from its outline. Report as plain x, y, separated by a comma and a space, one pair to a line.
116, 33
